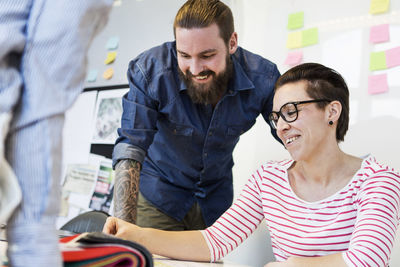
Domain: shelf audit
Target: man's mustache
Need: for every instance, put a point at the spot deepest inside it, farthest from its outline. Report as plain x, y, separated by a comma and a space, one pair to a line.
203, 73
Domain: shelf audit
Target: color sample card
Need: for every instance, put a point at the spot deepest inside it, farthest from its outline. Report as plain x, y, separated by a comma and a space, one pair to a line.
377, 84
295, 20
379, 6
379, 34
377, 61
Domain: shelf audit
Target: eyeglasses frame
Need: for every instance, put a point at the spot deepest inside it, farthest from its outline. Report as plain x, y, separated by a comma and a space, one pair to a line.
280, 115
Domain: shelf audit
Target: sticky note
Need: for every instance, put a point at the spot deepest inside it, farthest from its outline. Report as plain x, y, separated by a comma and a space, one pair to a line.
377, 84
393, 57
310, 37
92, 76
295, 20
294, 40
379, 6
294, 58
377, 61
112, 43
108, 73
379, 33
110, 57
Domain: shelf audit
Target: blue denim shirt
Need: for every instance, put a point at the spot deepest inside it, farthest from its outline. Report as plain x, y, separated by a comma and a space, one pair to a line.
186, 148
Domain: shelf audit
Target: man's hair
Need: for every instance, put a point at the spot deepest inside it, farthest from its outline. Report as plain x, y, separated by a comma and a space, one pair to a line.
322, 83
203, 13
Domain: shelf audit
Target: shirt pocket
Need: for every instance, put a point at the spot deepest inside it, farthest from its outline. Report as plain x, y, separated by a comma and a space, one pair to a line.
237, 130
180, 129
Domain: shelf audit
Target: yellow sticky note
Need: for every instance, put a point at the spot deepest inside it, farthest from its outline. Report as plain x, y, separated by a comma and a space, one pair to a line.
294, 40
110, 57
295, 20
377, 61
379, 6
309, 37
108, 73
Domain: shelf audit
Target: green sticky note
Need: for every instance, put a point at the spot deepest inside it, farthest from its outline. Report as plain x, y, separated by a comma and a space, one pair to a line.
309, 37
294, 40
379, 6
377, 61
295, 20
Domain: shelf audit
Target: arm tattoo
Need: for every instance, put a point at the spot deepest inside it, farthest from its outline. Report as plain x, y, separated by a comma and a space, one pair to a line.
126, 189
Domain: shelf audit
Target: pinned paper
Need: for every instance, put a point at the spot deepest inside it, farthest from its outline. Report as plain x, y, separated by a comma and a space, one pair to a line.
294, 58
112, 43
110, 57
92, 76
379, 34
377, 61
108, 73
379, 6
393, 57
294, 40
310, 36
377, 84
295, 20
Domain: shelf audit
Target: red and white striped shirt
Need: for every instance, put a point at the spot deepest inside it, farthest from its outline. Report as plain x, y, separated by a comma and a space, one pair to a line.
360, 220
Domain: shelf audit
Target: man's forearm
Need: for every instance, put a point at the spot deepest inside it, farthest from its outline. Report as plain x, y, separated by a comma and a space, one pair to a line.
126, 189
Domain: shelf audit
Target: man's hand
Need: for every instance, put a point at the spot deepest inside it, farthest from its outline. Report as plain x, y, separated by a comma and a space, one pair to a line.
126, 189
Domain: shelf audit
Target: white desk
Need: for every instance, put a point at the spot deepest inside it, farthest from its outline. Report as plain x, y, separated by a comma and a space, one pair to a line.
165, 262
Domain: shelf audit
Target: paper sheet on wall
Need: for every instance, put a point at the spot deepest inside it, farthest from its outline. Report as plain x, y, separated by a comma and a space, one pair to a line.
385, 107
78, 130
344, 59
108, 116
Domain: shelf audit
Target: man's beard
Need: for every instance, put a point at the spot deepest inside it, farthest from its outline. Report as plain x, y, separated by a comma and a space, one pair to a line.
211, 92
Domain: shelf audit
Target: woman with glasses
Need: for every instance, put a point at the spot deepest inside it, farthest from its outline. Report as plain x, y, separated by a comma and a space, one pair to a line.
323, 207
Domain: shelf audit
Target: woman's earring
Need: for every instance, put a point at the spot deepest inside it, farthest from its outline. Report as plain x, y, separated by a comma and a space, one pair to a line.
330, 122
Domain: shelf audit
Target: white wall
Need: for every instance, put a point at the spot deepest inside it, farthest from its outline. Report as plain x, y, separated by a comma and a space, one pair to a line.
261, 27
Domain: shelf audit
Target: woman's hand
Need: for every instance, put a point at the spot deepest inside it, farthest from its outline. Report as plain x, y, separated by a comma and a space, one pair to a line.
120, 228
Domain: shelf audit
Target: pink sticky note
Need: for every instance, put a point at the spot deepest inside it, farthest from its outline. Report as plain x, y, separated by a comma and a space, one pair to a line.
294, 58
393, 57
379, 33
377, 84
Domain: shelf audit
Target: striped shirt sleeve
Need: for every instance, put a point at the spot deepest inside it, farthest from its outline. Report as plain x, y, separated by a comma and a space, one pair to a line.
377, 221
238, 222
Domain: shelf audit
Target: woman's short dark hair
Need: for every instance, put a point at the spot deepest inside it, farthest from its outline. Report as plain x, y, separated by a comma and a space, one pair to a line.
203, 13
322, 83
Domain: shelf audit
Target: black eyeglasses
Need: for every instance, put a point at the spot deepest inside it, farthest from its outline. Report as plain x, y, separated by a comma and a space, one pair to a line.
289, 111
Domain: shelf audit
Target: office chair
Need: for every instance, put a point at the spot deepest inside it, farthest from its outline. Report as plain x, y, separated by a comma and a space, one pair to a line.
91, 221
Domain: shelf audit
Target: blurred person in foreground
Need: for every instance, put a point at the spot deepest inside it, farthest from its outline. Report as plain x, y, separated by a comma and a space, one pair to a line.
42, 69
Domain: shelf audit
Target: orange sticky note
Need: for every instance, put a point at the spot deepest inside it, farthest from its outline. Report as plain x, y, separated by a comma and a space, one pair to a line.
108, 73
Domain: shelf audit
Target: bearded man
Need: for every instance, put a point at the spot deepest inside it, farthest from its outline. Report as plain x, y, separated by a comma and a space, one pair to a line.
188, 103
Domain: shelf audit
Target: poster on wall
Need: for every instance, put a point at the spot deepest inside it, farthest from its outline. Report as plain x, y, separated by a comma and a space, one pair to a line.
108, 116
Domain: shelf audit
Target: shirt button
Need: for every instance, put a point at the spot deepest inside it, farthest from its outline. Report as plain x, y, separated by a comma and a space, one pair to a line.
210, 133
174, 131
203, 171
230, 91
205, 154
